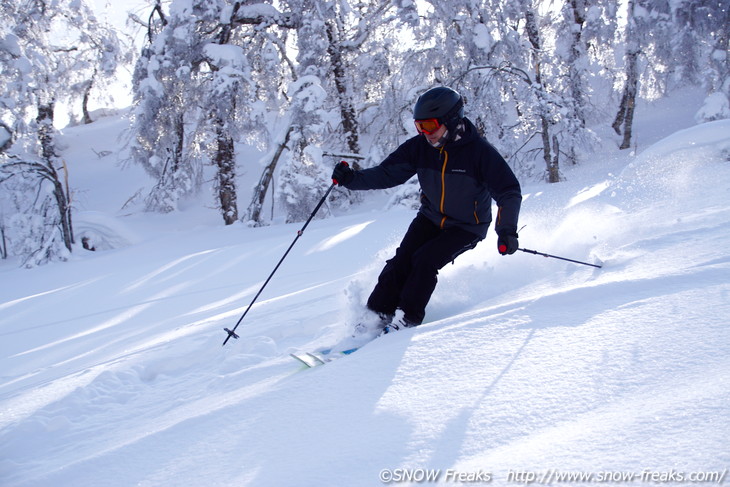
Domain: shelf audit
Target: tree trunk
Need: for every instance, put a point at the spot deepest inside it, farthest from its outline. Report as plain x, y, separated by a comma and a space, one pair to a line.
630, 98
179, 141
64, 209
576, 53
45, 131
347, 111
48, 153
3, 242
225, 156
621, 114
575, 78
5, 145
85, 102
225, 160
533, 34
259, 193
553, 168
625, 115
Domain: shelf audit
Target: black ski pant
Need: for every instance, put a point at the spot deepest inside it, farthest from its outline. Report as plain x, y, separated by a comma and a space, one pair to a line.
409, 278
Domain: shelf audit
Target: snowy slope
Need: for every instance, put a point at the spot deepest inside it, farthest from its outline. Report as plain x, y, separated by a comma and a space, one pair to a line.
112, 371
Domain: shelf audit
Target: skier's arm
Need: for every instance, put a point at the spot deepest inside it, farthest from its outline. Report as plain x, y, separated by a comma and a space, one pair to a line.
505, 189
396, 169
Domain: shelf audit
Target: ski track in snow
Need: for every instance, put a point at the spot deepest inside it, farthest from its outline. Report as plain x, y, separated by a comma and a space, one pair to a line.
112, 370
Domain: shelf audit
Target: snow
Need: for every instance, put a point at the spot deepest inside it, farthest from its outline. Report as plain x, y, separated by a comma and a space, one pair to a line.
308, 90
716, 107
482, 38
225, 55
10, 44
258, 10
112, 371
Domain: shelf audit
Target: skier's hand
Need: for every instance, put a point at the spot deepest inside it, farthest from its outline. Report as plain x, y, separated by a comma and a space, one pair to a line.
342, 175
507, 243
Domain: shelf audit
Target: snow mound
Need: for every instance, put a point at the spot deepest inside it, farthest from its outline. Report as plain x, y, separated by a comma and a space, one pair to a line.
100, 231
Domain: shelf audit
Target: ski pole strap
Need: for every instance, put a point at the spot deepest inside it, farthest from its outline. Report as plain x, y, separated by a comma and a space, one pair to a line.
535, 252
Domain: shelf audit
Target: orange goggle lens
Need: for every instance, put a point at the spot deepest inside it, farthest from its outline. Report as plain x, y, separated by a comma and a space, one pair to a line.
427, 126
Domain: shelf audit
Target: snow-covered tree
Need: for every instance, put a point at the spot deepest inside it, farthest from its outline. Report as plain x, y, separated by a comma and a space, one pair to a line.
247, 51
577, 21
338, 41
702, 53
36, 210
648, 55
528, 74
163, 76
49, 52
197, 90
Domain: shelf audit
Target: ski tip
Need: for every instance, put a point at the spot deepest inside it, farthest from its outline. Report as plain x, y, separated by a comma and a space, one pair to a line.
321, 357
304, 359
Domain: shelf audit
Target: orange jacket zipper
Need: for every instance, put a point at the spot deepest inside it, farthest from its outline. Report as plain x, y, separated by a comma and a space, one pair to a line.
443, 185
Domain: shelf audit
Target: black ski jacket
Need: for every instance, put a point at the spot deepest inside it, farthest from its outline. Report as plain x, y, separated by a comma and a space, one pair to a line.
458, 181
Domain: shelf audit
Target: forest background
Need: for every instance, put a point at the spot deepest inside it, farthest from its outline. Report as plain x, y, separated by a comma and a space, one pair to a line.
286, 89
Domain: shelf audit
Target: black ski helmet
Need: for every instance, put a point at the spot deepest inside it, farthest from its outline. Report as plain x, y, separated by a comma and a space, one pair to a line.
441, 103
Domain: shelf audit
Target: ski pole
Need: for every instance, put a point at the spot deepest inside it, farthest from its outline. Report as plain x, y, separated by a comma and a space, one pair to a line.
232, 333
556, 257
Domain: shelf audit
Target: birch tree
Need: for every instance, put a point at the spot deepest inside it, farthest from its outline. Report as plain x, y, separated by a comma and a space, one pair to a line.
647, 55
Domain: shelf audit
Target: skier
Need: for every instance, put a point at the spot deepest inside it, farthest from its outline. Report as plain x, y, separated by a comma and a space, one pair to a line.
459, 173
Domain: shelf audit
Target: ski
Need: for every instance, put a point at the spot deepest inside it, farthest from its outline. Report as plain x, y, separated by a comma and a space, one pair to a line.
306, 359
322, 357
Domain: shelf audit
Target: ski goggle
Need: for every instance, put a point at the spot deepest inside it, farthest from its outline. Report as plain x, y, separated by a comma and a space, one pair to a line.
427, 126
